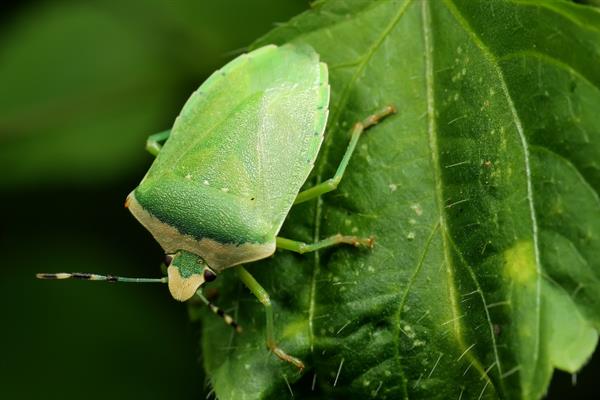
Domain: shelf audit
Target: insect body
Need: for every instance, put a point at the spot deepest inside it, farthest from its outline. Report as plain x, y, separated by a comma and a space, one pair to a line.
231, 168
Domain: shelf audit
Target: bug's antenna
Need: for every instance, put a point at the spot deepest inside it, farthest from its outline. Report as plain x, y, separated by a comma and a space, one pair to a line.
112, 278
226, 317
96, 277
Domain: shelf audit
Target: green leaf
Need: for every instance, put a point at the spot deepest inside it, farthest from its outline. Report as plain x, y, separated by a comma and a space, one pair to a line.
482, 193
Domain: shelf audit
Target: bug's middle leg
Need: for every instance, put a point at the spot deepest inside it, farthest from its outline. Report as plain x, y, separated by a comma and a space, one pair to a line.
154, 142
262, 296
301, 247
332, 183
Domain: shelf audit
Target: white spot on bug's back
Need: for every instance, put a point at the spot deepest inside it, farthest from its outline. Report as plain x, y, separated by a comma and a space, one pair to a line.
410, 236
417, 209
206, 182
393, 187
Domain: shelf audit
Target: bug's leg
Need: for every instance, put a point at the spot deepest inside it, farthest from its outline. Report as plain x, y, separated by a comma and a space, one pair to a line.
262, 296
227, 318
301, 247
154, 142
332, 183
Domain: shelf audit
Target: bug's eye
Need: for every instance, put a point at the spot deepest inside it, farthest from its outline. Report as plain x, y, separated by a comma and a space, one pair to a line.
209, 276
168, 259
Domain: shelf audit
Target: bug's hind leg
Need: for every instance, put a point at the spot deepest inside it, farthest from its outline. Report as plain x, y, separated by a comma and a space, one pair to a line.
301, 247
332, 183
154, 142
262, 296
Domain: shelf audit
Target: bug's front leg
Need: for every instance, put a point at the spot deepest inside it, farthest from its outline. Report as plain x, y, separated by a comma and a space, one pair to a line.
218, 311
332, 183
154, 142
262, 296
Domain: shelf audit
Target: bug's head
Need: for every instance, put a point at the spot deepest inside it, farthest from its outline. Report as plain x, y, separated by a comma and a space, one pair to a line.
187, 272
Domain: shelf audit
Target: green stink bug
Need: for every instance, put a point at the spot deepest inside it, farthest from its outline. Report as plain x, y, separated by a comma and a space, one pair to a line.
232, 167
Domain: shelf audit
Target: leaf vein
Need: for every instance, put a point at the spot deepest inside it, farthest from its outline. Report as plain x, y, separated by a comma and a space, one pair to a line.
516, 119
550, 60
573, 167
562, 13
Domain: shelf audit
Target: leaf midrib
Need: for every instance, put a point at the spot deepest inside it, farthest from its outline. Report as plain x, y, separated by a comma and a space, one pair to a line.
432, 134
535, 235
438, 182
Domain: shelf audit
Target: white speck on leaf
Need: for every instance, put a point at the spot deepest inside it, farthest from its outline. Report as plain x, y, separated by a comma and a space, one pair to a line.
417, 209
408, 330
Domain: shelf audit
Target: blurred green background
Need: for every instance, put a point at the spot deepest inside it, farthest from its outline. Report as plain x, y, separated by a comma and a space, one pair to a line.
82, 85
